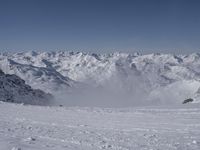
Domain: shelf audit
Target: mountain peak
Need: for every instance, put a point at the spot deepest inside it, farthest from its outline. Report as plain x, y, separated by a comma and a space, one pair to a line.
152, 74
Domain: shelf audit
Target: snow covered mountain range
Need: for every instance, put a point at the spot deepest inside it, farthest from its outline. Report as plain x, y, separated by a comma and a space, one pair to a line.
14, 89
152, 78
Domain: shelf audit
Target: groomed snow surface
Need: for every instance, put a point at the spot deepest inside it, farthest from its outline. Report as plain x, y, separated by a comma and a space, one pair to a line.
24, 127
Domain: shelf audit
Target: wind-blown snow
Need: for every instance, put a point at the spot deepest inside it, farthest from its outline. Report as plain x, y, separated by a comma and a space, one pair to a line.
137, 79
107, 80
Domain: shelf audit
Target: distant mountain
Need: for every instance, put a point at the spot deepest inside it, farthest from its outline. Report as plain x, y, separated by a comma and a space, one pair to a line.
44, 78
14, 89
157, 78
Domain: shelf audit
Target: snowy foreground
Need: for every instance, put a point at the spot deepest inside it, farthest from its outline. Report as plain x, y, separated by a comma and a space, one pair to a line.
43, 128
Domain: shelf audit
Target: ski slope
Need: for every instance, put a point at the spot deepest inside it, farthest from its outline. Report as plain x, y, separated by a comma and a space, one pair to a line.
24, 127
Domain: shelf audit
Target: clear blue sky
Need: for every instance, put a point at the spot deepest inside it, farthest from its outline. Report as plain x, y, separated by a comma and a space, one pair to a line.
101, 25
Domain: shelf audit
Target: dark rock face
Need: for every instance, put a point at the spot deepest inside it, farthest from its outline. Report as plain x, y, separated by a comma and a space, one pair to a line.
188, 100
1, 72
14, 89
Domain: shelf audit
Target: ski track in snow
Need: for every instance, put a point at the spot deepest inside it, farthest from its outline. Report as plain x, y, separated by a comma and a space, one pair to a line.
60, 128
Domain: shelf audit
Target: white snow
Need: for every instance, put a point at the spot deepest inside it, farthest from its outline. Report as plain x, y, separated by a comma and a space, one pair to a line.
152, 78
158, 83
14, 89
60, 128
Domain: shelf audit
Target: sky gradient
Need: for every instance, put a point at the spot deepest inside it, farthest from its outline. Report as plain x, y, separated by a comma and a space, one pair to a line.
146, 26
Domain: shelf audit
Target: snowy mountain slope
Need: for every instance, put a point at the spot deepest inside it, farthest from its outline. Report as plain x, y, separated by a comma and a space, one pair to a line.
14, 89
144, 77
46, 79
60, 128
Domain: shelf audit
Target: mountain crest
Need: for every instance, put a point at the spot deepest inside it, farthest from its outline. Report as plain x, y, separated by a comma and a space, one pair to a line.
14, 89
